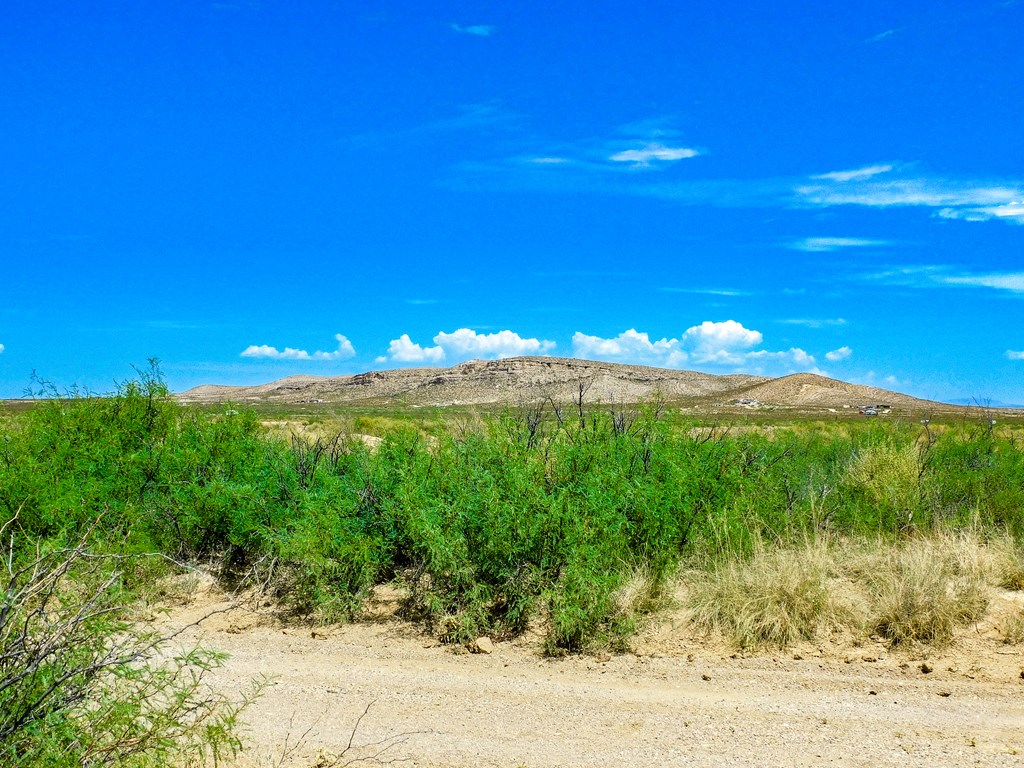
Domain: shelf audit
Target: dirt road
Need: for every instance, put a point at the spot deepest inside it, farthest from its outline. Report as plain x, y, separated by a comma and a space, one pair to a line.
676, 702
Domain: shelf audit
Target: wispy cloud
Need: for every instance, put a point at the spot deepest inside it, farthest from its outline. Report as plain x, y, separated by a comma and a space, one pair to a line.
479, 30
855, 175
652, 154
1012, 212
966, 199
463, 344
1012, 281
1010, 354
813, 322
548, 160
2, 348
344, 351
706, 291
837, 355
591, 165
421, 302
829, 244
937, 275
881, 36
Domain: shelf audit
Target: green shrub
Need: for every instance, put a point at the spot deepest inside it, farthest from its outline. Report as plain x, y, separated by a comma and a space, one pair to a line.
80, 685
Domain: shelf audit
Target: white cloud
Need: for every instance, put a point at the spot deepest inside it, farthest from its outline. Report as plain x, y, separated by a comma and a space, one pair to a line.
642, 158
837, 355
793, 358
2, 348
854, 175
468, 343
463, 344
1012, 211
957, 197
1013, 281
480, 30
828, 244
719, 341
403, 350
632, 346
345, 350
725, 343
548, 160
1010, 354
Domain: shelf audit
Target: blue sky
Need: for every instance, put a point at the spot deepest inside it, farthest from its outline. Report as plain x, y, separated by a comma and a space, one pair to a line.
247, 190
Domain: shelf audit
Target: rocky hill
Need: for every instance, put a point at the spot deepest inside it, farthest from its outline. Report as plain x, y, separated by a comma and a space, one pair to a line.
527, 379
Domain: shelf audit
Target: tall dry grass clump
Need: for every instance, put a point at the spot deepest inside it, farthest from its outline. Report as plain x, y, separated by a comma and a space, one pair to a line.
923, 589
775, 598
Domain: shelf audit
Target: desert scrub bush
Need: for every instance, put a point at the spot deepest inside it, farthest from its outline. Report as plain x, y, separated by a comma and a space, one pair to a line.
778, 596
80, 685
923, 589
885, 477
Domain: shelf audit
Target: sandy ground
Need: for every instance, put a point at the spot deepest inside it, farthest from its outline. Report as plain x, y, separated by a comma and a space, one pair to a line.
675, 701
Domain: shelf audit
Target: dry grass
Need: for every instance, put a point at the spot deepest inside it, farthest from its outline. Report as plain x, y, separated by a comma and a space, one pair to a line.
1013, 629
775, 598
919, 590
1008, 564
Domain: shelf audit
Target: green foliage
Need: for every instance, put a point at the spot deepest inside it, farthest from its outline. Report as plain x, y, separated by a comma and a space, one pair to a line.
80, 685
543, 514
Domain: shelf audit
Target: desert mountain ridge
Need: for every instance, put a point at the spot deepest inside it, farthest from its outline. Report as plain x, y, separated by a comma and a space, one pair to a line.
528, 379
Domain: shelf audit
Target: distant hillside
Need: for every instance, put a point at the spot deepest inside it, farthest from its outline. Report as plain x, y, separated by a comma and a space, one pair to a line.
527, 379
483, 382
808, 389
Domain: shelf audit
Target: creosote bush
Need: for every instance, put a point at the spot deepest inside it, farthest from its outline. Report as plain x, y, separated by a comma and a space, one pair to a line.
80, 685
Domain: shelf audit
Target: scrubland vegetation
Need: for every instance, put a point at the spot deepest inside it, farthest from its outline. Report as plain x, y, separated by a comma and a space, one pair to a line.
576, 519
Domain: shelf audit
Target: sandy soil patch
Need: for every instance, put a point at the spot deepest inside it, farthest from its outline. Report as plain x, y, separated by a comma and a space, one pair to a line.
677, 700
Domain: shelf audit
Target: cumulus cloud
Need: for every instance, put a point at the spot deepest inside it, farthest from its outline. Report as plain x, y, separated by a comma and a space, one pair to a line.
725, 343
404, 350
2, 348
462, 344
829, 244
468, 343
344, 351
720, 342
836, 355
1010, 354
480, 30
632, 346
651, 153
